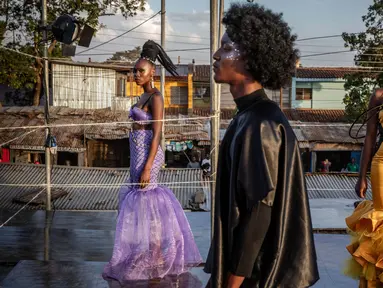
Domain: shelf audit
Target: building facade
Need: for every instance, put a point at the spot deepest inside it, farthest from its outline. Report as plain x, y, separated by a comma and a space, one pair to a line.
319, 87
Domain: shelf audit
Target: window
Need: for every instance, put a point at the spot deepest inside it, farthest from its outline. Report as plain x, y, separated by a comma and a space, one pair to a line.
179, 95
304, 93
200, 91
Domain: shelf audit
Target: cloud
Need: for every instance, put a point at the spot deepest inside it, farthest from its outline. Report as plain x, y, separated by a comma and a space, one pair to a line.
181, 29
193, 17
194, 38
203, 25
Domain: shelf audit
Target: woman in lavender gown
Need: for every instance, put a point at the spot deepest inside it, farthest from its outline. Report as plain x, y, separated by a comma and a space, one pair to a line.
153, 237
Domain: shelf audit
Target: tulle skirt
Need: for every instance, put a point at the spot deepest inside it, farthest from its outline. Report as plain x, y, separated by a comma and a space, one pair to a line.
153, 237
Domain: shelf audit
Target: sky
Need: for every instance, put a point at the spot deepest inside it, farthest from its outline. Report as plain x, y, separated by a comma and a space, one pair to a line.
187, 26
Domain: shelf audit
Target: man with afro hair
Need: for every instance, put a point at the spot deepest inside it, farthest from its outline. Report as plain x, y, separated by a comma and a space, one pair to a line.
262, 225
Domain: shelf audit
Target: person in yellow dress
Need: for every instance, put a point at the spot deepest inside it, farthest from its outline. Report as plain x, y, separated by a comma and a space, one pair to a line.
366, 223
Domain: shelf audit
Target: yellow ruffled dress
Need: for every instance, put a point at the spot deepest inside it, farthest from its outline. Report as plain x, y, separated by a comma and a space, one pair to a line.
366, 229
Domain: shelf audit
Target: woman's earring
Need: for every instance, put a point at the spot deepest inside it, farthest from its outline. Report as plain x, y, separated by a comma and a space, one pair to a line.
152, 82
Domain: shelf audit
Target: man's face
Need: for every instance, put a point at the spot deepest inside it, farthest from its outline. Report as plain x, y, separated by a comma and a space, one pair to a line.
229, 66
353, 160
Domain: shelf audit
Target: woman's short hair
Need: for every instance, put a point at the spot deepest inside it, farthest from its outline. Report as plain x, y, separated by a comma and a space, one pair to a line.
266, 42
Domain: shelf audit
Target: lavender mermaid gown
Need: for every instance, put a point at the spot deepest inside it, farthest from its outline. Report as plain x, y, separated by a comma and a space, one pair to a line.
153, 237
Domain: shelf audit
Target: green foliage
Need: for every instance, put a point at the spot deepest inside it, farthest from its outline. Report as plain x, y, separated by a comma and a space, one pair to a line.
19, 29
361, 84
129, 56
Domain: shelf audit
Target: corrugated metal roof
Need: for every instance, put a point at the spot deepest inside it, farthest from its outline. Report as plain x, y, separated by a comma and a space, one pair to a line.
333, 186
92, 195
100, 186
299, 134
326, 132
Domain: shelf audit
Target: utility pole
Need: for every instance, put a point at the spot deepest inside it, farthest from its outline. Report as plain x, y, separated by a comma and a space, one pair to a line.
163, 13
46, 114
214, 106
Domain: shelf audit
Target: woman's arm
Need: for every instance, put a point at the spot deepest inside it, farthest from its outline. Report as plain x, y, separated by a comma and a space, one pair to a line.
370, 140
157, 106
369, 143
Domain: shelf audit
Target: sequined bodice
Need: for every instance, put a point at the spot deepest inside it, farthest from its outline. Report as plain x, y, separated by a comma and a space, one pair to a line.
138, 114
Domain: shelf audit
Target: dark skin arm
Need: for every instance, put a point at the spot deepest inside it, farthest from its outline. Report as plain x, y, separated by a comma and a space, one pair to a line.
232, 281
369, 143
157, 105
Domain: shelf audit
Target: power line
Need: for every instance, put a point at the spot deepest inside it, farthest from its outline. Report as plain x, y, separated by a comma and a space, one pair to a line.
106, 42
186, 49
326, 53
323, 37
153, 33
207, 48
168, 51
168, 41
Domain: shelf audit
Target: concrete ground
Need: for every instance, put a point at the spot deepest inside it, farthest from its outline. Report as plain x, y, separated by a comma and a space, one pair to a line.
78, 245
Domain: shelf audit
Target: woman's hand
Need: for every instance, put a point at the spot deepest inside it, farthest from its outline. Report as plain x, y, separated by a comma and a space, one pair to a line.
361, 187
145, 178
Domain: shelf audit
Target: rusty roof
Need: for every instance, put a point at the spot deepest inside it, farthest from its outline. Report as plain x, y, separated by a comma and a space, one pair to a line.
201, 73
319, 126
316, 115
302, 115
326, 72
68, 138
326, 132
72, 138
172, 78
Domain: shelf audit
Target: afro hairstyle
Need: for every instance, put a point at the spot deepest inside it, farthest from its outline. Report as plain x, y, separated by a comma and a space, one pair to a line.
266, 42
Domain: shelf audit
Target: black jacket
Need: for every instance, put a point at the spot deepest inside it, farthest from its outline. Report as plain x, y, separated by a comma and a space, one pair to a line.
262, 222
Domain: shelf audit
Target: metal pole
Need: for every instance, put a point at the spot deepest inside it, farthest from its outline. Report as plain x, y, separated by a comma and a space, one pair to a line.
214, 107
281, 98
46, 88
47, 230
221, 10
163, 69
220, 34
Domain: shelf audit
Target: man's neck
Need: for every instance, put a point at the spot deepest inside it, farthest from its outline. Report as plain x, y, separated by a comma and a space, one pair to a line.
244, 88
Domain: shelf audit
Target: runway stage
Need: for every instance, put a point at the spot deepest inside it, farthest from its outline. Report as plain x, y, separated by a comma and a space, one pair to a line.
69, 249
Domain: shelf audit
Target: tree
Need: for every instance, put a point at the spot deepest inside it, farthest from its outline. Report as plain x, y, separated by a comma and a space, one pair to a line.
368, 45
129, 56
20, 21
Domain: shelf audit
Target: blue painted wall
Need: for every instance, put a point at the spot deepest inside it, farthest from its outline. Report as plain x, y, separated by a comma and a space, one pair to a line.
326, 94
